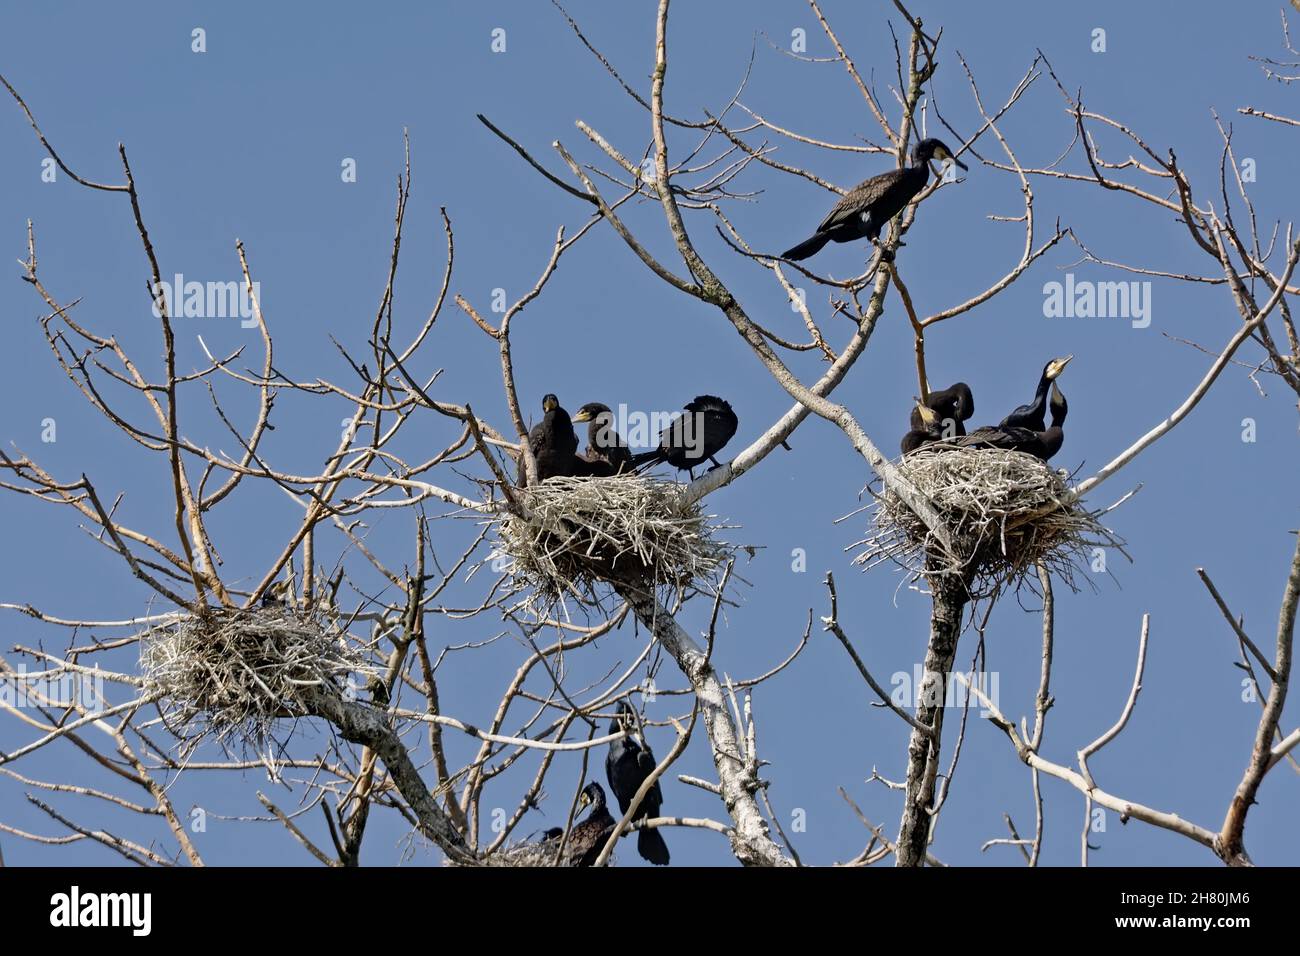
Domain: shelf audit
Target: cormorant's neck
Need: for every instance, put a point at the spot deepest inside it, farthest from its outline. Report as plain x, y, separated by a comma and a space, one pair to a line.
1040, 396
1053, 439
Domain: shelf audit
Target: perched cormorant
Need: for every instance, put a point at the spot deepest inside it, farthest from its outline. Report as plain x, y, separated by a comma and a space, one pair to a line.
626, 766
700, 432
606, 452
1031, 416
863, 212
588, 837
954, 405
927, 426
1041, 443
554, 443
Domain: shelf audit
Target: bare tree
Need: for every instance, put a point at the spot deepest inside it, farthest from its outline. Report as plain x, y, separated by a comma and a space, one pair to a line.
228, 671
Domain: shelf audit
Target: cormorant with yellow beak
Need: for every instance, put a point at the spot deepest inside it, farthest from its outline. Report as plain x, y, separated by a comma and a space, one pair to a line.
865, 209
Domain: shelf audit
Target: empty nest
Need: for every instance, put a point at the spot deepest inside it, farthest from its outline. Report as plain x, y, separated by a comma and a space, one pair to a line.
580, 532
233, 673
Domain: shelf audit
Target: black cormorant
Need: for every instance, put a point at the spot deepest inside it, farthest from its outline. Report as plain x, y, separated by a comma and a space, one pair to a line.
1031, 416
1041, 443
554, 443
863, 212
606, 452
927, 426
699, 432
954, 404
626, 766
588, 837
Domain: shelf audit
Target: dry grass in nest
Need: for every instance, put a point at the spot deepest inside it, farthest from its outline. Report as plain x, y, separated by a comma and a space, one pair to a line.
1005, 512
584, 531
232, 673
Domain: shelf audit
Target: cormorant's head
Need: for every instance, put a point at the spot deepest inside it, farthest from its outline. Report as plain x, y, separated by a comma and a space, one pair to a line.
590, 412
929, 417
708, 403
929, 149
1058, 406
1055, 367
549, 402
593, 794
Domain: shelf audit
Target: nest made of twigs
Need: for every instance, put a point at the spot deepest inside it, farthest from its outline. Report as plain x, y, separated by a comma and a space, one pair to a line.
232, 674
526, 854
575, 533
1004, 511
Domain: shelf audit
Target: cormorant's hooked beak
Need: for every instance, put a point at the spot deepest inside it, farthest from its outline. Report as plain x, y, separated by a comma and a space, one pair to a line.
943, 154
1056, 366
583, 416
929, 417
583, 800
550, 403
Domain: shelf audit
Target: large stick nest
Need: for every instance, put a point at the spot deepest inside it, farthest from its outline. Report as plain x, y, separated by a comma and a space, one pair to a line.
580, 532
1004, 511
233, 673
529, 854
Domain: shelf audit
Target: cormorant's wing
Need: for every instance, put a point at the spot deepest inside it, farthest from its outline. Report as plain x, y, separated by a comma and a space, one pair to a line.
1010, 438
859, 198
645, 765
1019, 412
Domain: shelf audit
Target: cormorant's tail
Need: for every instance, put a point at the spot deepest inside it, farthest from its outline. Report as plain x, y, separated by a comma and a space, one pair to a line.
650, 844
646, 458
809, 247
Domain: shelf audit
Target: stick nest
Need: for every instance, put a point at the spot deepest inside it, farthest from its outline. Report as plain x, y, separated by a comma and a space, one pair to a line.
1004, 511
529, 854
584, 531
233, 673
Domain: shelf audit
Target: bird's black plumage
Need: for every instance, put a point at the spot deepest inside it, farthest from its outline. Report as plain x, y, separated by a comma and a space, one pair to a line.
865, 209
627, 766
606, 452
1041, 443
1001, 437
588, 838
954, 405
698, 433
554, 443
1032, 416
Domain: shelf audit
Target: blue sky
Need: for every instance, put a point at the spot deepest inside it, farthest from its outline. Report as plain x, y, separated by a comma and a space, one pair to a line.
246, 140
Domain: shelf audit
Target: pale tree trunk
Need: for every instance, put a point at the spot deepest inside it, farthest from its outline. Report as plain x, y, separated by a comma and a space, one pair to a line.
737, 777
949, 596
